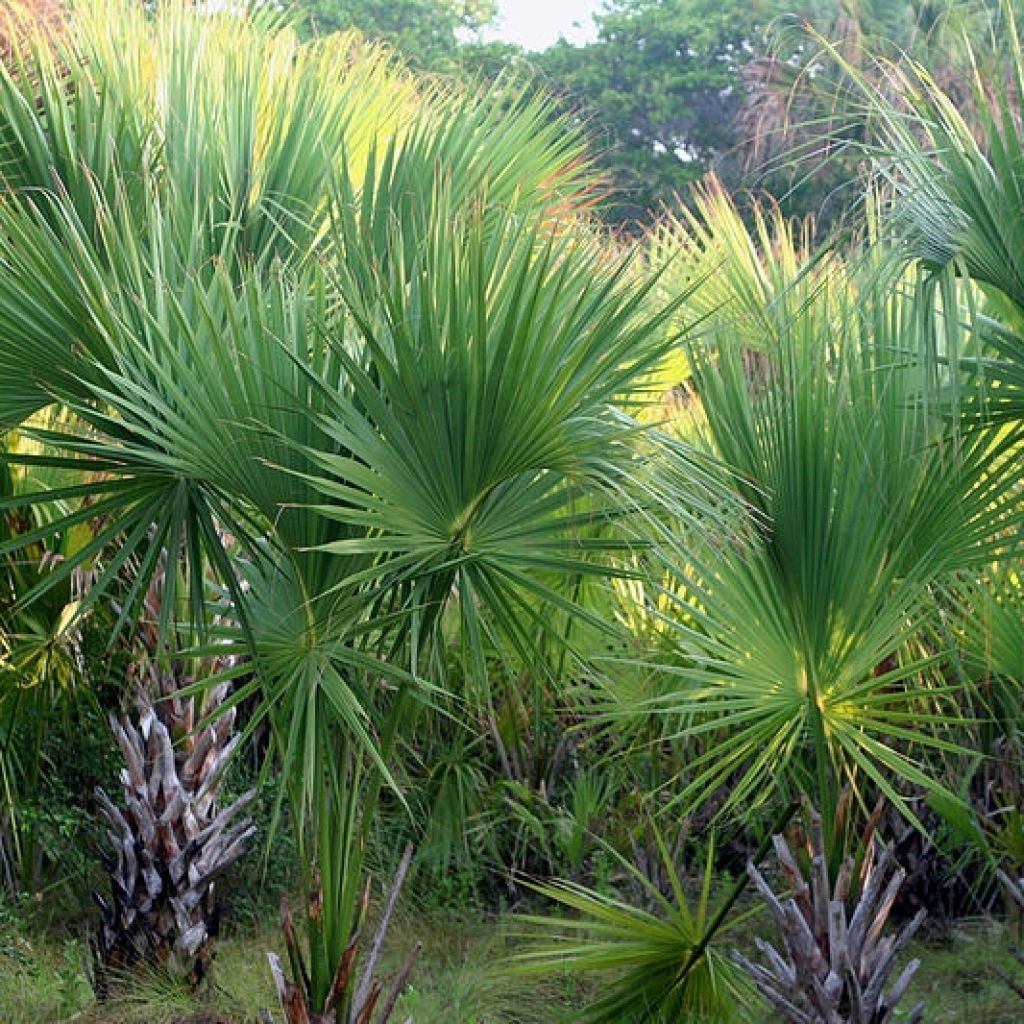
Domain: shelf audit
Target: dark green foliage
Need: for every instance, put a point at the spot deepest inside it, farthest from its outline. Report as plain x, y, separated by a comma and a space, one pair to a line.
59, 833
660, 91
425, 32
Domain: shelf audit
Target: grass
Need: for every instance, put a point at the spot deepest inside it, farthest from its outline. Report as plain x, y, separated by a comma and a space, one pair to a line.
455, 982
957, 981
43, 980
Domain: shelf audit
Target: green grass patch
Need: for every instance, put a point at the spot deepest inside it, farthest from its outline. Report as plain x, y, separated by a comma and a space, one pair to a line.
458, 980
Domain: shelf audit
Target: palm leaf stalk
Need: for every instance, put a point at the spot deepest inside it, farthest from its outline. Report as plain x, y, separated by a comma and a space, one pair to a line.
363, 992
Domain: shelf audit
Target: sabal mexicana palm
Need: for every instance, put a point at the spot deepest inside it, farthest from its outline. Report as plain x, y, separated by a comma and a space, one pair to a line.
387, 369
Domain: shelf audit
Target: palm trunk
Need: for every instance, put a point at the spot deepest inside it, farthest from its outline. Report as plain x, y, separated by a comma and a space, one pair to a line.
831, 969
170, 839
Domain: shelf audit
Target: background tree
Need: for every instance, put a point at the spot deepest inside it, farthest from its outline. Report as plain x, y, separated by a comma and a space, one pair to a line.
660, 89
425, 32
674, 88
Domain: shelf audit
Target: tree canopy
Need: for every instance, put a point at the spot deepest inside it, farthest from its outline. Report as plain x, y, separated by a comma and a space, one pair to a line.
661, 88
426, 32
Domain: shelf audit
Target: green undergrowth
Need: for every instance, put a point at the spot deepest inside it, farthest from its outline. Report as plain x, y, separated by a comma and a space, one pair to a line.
457, 980
957, 978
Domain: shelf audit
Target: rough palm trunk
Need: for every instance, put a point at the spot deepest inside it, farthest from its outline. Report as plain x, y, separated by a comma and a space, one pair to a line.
170, 840
832, 969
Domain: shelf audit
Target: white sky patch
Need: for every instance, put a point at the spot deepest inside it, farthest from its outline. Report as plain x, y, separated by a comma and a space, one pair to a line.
536, 24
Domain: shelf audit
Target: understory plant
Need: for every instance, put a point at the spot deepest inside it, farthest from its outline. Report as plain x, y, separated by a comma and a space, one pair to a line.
1015, 894
657, 959
54, 665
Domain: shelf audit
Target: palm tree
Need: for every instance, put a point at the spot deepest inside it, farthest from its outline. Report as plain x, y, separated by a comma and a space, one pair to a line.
803, 656
391, 369
955, 207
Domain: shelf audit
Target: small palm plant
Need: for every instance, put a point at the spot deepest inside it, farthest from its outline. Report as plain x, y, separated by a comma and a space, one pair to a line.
660, 963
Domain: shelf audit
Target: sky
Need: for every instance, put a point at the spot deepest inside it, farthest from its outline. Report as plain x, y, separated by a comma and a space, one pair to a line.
536, 24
